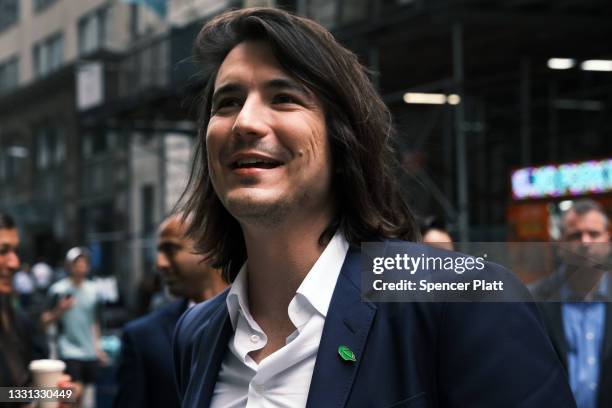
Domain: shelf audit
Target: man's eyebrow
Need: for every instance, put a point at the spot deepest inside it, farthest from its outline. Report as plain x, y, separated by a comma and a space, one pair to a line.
227, 88
162, 246
274, 84
286, 83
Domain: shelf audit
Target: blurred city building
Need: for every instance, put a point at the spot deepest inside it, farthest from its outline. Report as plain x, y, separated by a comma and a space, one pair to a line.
97, 119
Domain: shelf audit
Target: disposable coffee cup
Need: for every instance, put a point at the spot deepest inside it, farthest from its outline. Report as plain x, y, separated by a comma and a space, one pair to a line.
46, 373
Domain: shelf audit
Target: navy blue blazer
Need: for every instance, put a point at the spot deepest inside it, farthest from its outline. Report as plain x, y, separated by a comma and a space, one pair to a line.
146, 373
489, 355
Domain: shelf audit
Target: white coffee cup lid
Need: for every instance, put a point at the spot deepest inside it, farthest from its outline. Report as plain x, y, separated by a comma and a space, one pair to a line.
47, 365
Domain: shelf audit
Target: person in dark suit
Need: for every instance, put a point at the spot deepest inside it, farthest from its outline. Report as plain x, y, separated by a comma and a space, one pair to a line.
146, 372
576, 304
294, 171
21, 339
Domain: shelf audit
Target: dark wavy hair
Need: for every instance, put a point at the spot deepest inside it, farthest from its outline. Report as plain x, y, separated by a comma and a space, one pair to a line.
359, 127
6, 221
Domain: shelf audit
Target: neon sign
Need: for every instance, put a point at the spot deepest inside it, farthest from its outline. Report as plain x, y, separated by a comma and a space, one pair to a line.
571, 179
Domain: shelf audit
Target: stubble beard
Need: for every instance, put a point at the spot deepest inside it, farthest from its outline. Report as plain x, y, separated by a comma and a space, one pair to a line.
266, 214
257, 213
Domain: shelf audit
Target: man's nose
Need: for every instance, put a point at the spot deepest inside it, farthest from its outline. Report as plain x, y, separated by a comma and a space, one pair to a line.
162, 261
251, 121
13, 260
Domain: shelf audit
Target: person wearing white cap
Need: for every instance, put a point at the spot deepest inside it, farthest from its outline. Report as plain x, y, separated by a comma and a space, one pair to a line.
74, 306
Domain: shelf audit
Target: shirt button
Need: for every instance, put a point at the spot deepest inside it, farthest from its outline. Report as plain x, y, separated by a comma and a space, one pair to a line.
254, 338
590, 336
259, 388
591, 360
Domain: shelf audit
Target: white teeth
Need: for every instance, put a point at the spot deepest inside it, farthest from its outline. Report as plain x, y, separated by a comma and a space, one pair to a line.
253, 161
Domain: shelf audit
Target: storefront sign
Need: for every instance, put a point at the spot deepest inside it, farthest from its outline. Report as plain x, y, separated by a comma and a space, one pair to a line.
572, 179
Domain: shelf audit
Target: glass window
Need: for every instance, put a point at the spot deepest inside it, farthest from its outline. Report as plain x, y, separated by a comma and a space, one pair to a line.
134, 20
93, 30
9, 74
60, 145
2, 165
323, 11
9, 13
48, 54
13, 161
99, 143
42, 150
51, 146
40, 5
354, 10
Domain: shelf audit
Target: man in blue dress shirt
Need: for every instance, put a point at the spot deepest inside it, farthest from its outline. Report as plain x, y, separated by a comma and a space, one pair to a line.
580, 326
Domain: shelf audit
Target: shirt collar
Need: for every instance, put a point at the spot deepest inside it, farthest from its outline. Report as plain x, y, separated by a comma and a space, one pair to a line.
237, 296
598, 293
317, 287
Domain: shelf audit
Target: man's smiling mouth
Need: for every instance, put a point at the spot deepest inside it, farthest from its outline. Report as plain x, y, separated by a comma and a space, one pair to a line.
255, 163
253, 160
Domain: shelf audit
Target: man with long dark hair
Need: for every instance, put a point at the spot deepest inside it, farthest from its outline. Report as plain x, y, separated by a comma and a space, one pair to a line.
293, 171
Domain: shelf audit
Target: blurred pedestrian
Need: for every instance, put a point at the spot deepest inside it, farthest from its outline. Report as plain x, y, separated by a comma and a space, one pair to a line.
146, 373
43, 275
150, 294
74, 305
577, 311
21, 340
23, 283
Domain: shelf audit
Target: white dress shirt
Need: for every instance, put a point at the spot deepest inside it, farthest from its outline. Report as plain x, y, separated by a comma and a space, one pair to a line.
282, 379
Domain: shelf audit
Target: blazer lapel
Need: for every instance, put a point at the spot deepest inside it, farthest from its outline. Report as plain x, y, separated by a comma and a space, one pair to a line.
347, 323
169, 319
208, 355
606, 347
555, 327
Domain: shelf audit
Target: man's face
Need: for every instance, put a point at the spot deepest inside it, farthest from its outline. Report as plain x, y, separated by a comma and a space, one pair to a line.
268, 153
587, 235
183, 271
9, 261
80, 268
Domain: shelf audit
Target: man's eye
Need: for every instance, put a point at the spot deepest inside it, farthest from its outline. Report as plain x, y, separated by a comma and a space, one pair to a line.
7, 250
284, 98
226, 103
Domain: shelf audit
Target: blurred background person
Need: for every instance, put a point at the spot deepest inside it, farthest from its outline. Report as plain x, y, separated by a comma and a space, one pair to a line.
433, 232
580, 326
74, 305
20, 339
23, 283
146, 372
151, 294
43, 275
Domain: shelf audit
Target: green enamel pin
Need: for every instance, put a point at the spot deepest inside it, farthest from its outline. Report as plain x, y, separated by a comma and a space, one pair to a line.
346, 353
